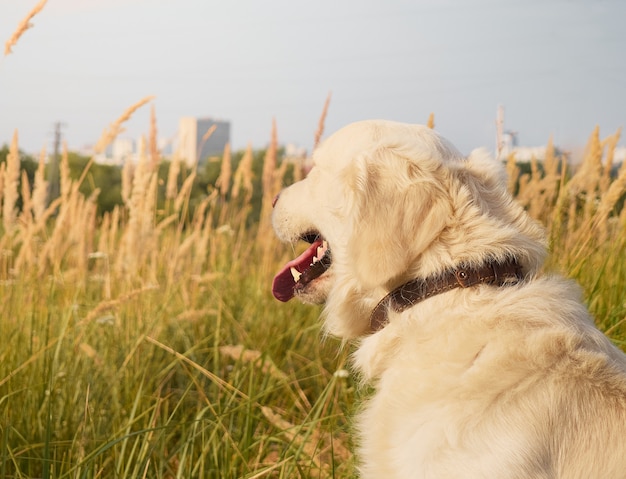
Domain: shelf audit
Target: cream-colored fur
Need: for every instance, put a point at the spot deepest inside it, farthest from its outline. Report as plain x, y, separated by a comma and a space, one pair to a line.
484, 382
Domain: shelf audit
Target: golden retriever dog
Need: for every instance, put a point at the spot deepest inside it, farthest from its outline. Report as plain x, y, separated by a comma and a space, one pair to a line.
483, 366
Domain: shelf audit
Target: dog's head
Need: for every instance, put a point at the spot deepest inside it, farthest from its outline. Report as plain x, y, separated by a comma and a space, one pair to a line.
387, 202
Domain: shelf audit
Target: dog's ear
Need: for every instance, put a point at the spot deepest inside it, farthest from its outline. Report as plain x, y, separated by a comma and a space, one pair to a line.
485, 179
402, 206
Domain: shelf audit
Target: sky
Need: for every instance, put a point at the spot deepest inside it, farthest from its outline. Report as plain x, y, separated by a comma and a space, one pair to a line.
558, 67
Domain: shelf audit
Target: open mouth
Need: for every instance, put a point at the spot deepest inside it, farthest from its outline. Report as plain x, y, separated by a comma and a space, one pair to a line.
299, 272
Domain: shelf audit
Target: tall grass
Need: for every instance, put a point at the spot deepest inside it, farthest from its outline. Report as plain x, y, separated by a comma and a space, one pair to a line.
146, 343
583, 210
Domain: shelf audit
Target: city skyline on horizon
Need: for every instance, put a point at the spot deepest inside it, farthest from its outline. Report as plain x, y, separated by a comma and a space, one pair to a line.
556, 66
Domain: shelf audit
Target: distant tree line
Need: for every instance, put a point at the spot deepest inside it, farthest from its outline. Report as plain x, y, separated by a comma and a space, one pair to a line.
108, 179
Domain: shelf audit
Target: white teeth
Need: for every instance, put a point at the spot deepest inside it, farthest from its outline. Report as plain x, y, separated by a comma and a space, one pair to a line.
295, 273
321, 250
315, 260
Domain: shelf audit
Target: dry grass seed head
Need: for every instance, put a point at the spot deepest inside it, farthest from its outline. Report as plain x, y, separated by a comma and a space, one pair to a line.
11, 185
103, 238
223, 180
611, 143
591, 168
173, 172
64, 169
550, 163
269, 181
2, 172
115, 128
243, 175
155, 155
22, 27
431, 121
320, 125
203, 140
133, 236
40, 188
26, 215
512, 173
113, 230
609, 199
149, 205
128, 171
269, 165
185, 191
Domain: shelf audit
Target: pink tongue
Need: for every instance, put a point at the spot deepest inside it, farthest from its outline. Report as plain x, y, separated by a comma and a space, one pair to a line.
284, 284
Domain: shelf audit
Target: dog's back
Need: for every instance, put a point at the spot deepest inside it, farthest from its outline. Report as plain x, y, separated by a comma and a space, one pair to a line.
512, 382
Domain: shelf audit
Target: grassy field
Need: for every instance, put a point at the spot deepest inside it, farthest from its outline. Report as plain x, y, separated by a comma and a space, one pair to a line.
147, 344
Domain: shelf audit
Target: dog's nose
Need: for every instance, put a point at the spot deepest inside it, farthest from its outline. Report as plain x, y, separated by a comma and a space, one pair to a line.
275, 200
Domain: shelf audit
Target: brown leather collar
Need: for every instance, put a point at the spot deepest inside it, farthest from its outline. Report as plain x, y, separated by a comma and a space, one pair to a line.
463, 276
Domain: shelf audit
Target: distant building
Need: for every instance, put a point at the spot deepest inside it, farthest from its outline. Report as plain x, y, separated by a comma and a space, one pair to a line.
166, 147
196, 145
122, 150
525, 154
117, 153
294, 153
507, 143
619, 155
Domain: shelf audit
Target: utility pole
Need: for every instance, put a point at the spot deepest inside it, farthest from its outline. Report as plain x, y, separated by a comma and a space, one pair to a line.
54, 188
